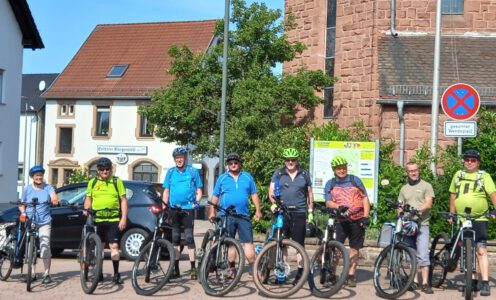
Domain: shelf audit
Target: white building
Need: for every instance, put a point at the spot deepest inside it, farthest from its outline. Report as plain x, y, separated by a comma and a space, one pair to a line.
92, 108
17, 31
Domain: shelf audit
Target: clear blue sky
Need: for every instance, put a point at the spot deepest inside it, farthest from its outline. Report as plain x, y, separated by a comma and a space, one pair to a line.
64, 25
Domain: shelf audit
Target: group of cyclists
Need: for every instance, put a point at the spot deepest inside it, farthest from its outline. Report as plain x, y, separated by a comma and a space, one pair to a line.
292, 185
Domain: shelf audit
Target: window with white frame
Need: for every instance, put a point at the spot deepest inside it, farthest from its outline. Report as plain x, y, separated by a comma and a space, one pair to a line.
145, 129
65, 140
66, 110
102, 120
145, 172
452, 7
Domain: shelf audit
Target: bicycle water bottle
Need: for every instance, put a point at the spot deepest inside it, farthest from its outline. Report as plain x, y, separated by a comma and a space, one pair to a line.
279, 221
258, 248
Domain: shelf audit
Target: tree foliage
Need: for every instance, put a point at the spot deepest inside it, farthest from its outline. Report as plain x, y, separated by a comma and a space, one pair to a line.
258, 101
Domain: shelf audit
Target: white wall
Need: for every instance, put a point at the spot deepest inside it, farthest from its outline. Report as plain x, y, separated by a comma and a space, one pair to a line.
11, 61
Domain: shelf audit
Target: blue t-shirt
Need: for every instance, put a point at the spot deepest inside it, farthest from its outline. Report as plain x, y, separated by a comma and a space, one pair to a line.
182, 186
232, 192
43, 208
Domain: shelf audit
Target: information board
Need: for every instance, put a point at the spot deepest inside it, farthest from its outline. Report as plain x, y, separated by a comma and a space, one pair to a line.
363, 161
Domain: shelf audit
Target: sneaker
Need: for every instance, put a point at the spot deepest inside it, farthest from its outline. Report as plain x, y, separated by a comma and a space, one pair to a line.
297, 278
117, 279
176, 274
485, 290
46, 279
427, 289
194, 274
231, 273
352, 281
414, 286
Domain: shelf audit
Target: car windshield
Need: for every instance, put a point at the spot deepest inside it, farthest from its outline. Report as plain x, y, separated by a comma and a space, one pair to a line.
73, 196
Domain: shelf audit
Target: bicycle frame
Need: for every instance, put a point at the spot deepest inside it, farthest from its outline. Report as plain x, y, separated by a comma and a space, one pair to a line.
30, 230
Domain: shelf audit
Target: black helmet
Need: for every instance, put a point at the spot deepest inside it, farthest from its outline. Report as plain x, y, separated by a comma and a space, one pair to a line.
472, 153
36, 169
104, 162
179, 151
233, 156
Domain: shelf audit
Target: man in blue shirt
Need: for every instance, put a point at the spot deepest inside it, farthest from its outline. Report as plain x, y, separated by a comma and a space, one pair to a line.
182, 192
44, 195
234, 188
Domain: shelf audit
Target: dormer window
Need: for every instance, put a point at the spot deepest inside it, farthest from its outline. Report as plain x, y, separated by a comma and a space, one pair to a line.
117, 71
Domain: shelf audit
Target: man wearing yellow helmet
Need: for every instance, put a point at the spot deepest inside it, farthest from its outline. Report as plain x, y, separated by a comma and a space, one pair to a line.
292, 184
346, 193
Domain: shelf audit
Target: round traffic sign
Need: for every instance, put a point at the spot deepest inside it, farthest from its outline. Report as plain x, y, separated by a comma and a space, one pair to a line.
460, 101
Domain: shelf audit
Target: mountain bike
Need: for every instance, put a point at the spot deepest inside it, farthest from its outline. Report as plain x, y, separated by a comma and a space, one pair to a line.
396, 265
154, 265
90, 255
447, 250
330, 263
276, 266
219, 273
8, 249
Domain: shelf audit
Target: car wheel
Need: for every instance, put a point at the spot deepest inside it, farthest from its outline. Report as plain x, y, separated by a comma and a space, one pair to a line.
131, 243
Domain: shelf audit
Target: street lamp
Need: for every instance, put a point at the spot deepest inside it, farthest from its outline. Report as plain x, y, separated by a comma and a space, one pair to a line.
224, 88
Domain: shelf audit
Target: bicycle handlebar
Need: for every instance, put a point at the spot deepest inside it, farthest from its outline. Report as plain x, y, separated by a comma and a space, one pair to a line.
469, 216
331, 211
230, 211
407, 208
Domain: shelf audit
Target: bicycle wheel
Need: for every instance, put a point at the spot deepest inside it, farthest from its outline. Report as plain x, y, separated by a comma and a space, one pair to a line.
151, 270
91, 263
205, 246
329, 269
30, 259
284, 280
469, 268
218, 274
394, 270
439, 256
6, 258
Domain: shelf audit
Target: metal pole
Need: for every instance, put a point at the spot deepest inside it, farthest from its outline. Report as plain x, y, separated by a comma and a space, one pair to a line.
435, 87
24, 162
224, 88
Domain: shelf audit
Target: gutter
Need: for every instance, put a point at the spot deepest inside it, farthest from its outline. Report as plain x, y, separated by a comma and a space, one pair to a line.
400, 105
393, 17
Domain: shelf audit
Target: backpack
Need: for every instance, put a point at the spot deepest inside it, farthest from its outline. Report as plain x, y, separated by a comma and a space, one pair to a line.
353, 182
478, 182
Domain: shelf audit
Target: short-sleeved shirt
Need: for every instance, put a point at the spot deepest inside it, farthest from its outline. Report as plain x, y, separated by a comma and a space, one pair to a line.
415, 195
469, 195
347, 194
294, 192
43, 208
104, 195
182, 186
235, 192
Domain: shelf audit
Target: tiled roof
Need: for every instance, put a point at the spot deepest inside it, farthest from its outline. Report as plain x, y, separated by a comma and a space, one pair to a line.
142, 46
406, 65
31, 92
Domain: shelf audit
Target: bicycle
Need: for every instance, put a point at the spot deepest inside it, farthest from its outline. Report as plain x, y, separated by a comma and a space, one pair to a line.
396, 265
150, 271
446, 251
207, 242
90, 255
274, 256
8, 249
330, 263
217, 275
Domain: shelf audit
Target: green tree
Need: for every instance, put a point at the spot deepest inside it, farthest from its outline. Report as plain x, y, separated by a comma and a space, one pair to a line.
78, 175
258, 101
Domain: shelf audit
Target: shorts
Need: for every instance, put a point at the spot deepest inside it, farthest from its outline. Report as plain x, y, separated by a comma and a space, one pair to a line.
295, 228
353, 231
421, 243
242, 227
184, 218
44, 233
108, 232
480, 228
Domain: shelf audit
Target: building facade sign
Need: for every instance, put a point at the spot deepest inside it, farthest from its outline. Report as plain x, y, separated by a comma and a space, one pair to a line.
136, 150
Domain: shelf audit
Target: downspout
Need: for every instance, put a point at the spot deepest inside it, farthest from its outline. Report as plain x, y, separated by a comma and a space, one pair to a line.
400, 104
393, 17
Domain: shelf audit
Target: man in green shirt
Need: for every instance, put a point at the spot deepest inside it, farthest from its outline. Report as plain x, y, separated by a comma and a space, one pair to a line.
108, 192
470, 188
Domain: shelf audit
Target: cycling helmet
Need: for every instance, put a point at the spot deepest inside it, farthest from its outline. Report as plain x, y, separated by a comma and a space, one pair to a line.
104, 162
233, 156
36, 169
472, 153
290, 153
410, 228
179, 151
338, 161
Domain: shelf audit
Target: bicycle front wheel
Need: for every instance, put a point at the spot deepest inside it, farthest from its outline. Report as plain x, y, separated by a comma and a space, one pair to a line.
394, 270
276, 273
6, 257
221, 272
91, 262
328, 269
469, 268
205, 247
439, 256
30, 258
152, 270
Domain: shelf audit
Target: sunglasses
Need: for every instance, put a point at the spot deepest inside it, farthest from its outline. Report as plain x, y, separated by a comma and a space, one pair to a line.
103, 169
290, 160
233, 163
470, 160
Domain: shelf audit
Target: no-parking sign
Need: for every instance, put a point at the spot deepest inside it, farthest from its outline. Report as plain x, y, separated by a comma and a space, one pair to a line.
460, 101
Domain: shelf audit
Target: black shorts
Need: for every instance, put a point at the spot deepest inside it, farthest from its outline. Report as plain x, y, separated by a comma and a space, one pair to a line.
184, 218
296, 227
480, 228
108, 232
353, 231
